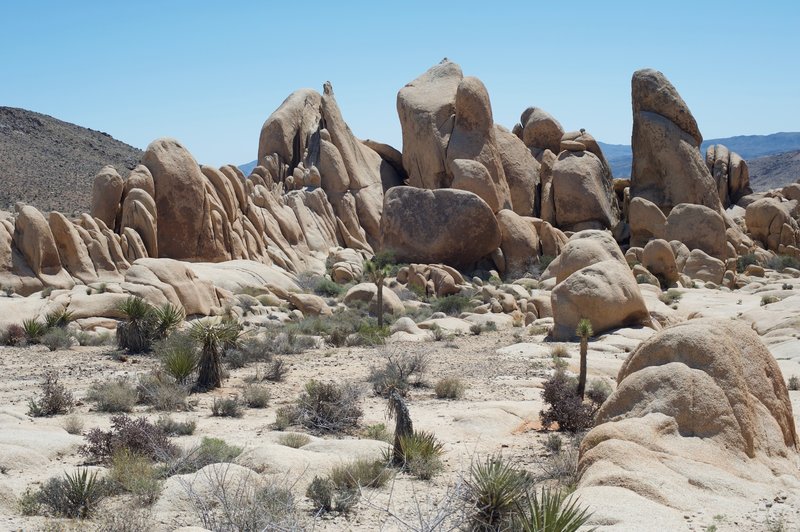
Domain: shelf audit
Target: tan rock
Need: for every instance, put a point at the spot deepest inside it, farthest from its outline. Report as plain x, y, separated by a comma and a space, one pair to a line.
582, 193
368, 293
700, 265
310, 304
519, 242
582, 249
646, 221
106, 195
72, 250
541, 130
659, 259
699, 228
295, 120
34, 239
521, 170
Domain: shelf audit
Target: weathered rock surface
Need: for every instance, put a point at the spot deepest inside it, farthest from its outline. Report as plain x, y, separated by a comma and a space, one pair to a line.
582, 193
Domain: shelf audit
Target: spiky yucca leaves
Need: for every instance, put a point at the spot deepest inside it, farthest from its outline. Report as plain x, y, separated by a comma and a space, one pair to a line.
75, 495
33, 330
58, 318
550, 511
584, 331
167, 317
421, 453
213, 337
178, 354
135, 334
496, 490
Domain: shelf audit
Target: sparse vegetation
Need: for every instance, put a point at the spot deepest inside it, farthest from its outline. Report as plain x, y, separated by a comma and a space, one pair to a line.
378, 432
73, 424
54, 398
135, 333
360, 473
137, 436
176, 428
551, 510
584, 331
781, 262
161, 391
766, 300
135, 474
74, 495
210, 451
743, 261
277, 371
494, 490
794, 383
451, 305
56, 338
255, 396
14, 335
566, 407
421, 454
450, 388
213, 337
116, 395
325, 408
57, 319
401, 371
326, 497
671, 296
178, 354
560, 351
226, 407
295, 440
34, 330
327, 288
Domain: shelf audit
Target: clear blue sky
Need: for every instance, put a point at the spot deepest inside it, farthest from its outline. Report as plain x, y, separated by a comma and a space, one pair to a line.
209, 73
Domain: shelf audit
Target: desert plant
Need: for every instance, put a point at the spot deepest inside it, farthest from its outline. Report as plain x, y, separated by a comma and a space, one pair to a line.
126, 519
671, 296
85, 338
135, 333
560, 351
325, 497
561, 465
135, 435
566, 407
781, 262
793, 383
421, 454
450, 388
210, 451
476, 329
226, 407
33, 330
57, 318
328, 288
368, 333
743, 261
116, 395
54, 399
170, 427
295, 440
74, 495
328, 407
400, 371
178, 354
598, 392
166, 319
14, 335
377, 432
584, 332
451, 305
212, 337
767, 300
73, 424
255, 396
377, 272
553, 443
494, 490
549, 510
135, 474
56, 338
277, 371
161, 391
360, 473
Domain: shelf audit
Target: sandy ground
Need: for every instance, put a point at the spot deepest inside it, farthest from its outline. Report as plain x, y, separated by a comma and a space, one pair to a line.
499, 413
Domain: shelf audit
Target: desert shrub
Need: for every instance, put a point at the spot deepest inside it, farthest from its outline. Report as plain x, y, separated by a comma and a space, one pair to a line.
56, 338
295, 440
33, 330
671, 296
561, 465
551, 510
73, 424
170, 427
277, 370
490, 326
566, 407
327, 288
127, 519
255, 396
74, 495
210, 451
494, 491
161, 391
360, 473
178, 355
787, 286
137, 436
370, 333
213, 338
57, 318
476, 329
227, 407
421, 454
794, 383
285, 417
400, 371
377, 432
743, 261
135, 333
166, 319
781, 262
236, 502
116, 395
327, 407
553, 443
450, 388
252, 349
14, 335
560, 351
85, 338
326, 497
766, 300
598, 392
54, 398
451, 305
135, 474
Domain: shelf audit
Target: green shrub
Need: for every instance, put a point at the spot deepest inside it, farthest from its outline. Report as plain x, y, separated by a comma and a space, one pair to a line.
450, 388
295, 440
255, 396
57, 318
326, 497
327, 288
421, 453
781, 262
179, 357
14, 335
73, 424
553, 443
377, 432
550, 510
399, 372
137, 436
451, 305
743, 261
598, 392
277, 371
135, 474
85, 338
210, 451
327, 407
54, 398
566, 407
227, 407
135, 333
117, 395
33, 330
476, 329
495, 490
285, 417
74, 496
794, 383
161, 391
213, 337
56, 338
360, 473
671, 296
170, 427
369, 333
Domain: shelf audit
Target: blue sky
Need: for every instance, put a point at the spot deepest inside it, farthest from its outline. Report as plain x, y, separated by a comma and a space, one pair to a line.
210, 73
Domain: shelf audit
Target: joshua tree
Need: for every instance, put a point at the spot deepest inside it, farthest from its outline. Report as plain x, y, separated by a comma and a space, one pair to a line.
213, 337
584, 330
376, 271
403, 425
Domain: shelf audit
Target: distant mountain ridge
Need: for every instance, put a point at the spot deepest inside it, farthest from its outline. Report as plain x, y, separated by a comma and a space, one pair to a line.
750, 147
51, 164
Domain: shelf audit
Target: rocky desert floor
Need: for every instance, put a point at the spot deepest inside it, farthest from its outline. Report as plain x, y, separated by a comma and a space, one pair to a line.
499, 413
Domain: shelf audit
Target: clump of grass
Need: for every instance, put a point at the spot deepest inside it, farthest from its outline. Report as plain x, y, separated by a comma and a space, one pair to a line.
551, 508
743, 261
421, 454
781, 262
495, 489
54, 398
179, 357
450, 388
73, 424
295, 440
170, 427
75, 495
14, 335
85, 338
766, 300
34, 330
58, 319
377, 432
794, 383
476, 329
277, 371
560, 351
255, 396
227, 407
161, 391
671, 296
56, 339
400, 372
135, 474
210, 451
553, 443
116, 395
325, 408
327, 288
360, 473
451, 305
326, 497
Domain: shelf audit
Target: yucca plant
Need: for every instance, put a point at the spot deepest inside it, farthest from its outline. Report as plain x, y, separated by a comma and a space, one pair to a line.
135, 334
58, 318
34, 330
421, 453
167, 317
495, 489
75, 495
213, 337
377, 271
584, 331
178, 354
550, 511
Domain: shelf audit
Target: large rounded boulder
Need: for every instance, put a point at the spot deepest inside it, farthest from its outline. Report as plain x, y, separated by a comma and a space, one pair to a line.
454, 227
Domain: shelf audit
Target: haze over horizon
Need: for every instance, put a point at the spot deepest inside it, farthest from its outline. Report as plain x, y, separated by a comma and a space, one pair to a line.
209, 76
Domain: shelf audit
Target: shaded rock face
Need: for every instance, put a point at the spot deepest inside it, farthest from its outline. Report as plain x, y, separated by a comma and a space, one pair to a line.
730, 172
667, 166
769, 221
539, 130
582, 193
701, 414
429, 226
